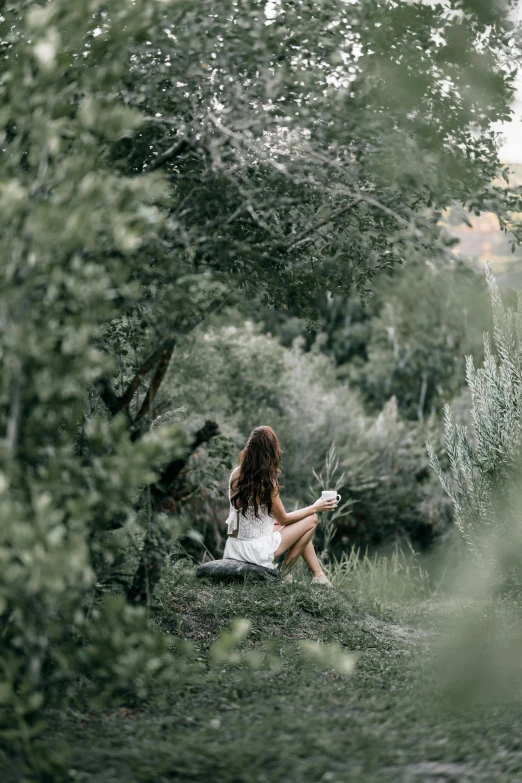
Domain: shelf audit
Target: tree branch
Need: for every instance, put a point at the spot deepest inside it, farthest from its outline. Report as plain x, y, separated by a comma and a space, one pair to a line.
173, 152
160, 359
163, 487
387, 210
323, 222
126, 398
161, 369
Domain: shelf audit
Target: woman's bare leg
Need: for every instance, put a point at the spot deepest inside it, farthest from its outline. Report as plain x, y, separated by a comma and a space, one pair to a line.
295, 539
311, 560
290, 534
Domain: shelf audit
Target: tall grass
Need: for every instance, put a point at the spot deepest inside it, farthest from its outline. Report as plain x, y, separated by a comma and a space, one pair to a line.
330, 478
376, 582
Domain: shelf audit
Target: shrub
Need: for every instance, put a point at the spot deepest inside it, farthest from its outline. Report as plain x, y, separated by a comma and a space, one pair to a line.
387, 475
485, 464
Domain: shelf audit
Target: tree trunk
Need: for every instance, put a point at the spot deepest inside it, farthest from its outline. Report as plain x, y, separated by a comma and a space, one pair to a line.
157, 537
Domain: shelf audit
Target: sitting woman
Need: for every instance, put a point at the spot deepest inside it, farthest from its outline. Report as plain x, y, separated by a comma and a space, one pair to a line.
259, 528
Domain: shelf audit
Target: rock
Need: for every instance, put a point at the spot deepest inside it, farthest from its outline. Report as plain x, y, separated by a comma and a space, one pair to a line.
234, 570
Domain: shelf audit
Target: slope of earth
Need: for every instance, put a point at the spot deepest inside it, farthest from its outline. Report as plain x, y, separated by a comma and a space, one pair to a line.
292, 722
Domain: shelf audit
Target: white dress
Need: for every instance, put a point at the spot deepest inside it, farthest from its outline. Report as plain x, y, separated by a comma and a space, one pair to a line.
256, 540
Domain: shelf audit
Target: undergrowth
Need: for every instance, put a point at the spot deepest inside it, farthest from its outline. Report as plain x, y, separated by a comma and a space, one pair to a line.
382, 584
260, 710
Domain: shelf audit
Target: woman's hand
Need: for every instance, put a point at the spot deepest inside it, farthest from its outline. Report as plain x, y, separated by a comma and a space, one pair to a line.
325, 504
281, 517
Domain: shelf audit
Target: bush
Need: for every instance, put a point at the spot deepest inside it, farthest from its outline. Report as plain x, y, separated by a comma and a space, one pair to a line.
71, 228
485, 465
251, 379
387, 475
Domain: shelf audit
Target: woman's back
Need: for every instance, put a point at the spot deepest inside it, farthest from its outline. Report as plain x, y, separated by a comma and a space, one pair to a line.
248, 526
261, 539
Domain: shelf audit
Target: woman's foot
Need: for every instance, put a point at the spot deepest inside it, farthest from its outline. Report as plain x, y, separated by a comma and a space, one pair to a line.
288, 578
321, 579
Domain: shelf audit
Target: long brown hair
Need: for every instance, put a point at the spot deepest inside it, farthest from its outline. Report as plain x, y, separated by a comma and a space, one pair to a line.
259, 469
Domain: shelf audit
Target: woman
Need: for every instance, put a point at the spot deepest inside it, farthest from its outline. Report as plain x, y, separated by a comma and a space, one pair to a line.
259, 528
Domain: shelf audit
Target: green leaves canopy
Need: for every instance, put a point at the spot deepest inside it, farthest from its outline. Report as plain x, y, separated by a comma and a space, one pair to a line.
311, 145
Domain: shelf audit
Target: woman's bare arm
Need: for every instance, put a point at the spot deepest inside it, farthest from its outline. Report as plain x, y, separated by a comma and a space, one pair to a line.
287, 518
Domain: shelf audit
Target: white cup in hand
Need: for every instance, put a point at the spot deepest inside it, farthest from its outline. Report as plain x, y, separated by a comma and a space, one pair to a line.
330, 494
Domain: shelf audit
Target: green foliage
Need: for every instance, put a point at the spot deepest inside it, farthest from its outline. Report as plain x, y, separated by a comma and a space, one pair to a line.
251, 378
302, 723
485, 464
330, 656
408, 341
301, 162
69, 473
388, 477
427, 320
309, 653
329, 478
477, 661
123, 657
108, 266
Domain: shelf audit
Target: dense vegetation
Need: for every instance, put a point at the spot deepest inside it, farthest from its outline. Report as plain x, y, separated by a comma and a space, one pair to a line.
214, 215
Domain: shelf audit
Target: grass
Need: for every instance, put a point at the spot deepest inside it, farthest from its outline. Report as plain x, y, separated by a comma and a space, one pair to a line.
287, 720
385, 585
267, 712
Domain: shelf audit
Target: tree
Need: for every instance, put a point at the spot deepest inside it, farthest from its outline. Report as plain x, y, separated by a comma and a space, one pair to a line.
70, 471
428, 318
282, 184
308, 151
407, 341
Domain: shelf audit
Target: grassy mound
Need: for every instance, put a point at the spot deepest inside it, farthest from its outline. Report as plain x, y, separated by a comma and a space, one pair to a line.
286, 720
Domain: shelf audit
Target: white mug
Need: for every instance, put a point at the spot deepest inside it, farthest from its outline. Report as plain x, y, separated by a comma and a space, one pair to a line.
326, 494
